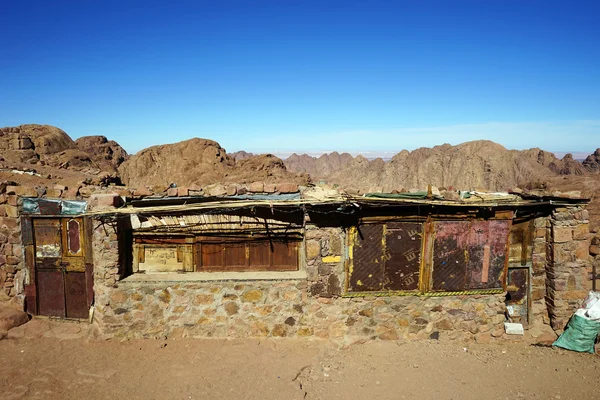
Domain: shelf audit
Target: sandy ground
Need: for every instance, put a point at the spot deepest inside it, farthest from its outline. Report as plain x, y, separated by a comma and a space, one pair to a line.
79, 368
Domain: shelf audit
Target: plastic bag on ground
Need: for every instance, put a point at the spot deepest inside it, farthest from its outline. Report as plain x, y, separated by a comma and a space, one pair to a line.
591, 299
594, 311
580, 335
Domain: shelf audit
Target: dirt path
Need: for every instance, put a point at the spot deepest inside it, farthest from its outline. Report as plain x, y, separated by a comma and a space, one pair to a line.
50, 368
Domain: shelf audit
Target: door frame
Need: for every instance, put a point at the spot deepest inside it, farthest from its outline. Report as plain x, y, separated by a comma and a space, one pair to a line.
27, 237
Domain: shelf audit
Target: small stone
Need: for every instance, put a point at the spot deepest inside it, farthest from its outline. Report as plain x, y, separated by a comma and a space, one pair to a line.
256, 187
287, 188
142, 192
252, 296
279, 330
290, 321
231, 308
203, 299
164, 296
305, 331
366, 313
388, 334
444, 324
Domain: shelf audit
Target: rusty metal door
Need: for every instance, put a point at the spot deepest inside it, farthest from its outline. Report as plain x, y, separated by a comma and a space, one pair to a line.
60, 267
517, 296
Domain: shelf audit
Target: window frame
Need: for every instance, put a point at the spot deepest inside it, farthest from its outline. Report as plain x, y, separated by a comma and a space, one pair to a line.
196, 243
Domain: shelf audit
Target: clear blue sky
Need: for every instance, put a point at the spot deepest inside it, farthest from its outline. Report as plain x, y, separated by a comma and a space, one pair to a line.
306, 75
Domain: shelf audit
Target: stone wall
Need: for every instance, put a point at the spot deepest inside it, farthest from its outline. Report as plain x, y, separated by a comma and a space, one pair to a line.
286, 308
12, 274
568, 263
539, 309
309, 307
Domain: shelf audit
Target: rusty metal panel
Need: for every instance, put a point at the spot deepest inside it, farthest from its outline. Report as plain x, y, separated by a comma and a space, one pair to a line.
493, 252
470, 254
479, 253
26, 231
51, 293
517, 294
450, 255
521, 242
76, 296
89, 283
368, 256
31, 299
74, 264
403, 259
48, 207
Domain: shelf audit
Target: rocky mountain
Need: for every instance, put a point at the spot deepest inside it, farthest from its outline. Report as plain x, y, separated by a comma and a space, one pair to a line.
108, 154
201, 162
592, 162
322, 166
41, 145
241, 155
473, 165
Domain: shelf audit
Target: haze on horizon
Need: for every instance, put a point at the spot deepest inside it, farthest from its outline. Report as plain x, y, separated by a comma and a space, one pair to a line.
310, 76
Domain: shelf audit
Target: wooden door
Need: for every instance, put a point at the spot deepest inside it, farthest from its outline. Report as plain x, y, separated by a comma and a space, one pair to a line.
60, 268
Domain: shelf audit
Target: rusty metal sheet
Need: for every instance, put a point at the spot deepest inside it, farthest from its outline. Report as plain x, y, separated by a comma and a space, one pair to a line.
26, 231
368, 259
521, 242
76, 296
74, 264
403, 261
517, 294
470, 254
450, 255
487, 250
51, 293
89, 283
49, 207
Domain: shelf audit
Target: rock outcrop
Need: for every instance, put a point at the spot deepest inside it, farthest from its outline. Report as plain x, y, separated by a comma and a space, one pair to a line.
41, 145
200, 162
240, 155
108, 154
592, 162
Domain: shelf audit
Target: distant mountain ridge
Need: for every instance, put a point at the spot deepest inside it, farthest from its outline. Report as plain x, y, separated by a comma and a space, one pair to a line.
478, 164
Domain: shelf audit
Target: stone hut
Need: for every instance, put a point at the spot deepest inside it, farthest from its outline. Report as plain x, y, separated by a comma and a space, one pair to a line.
315, 263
